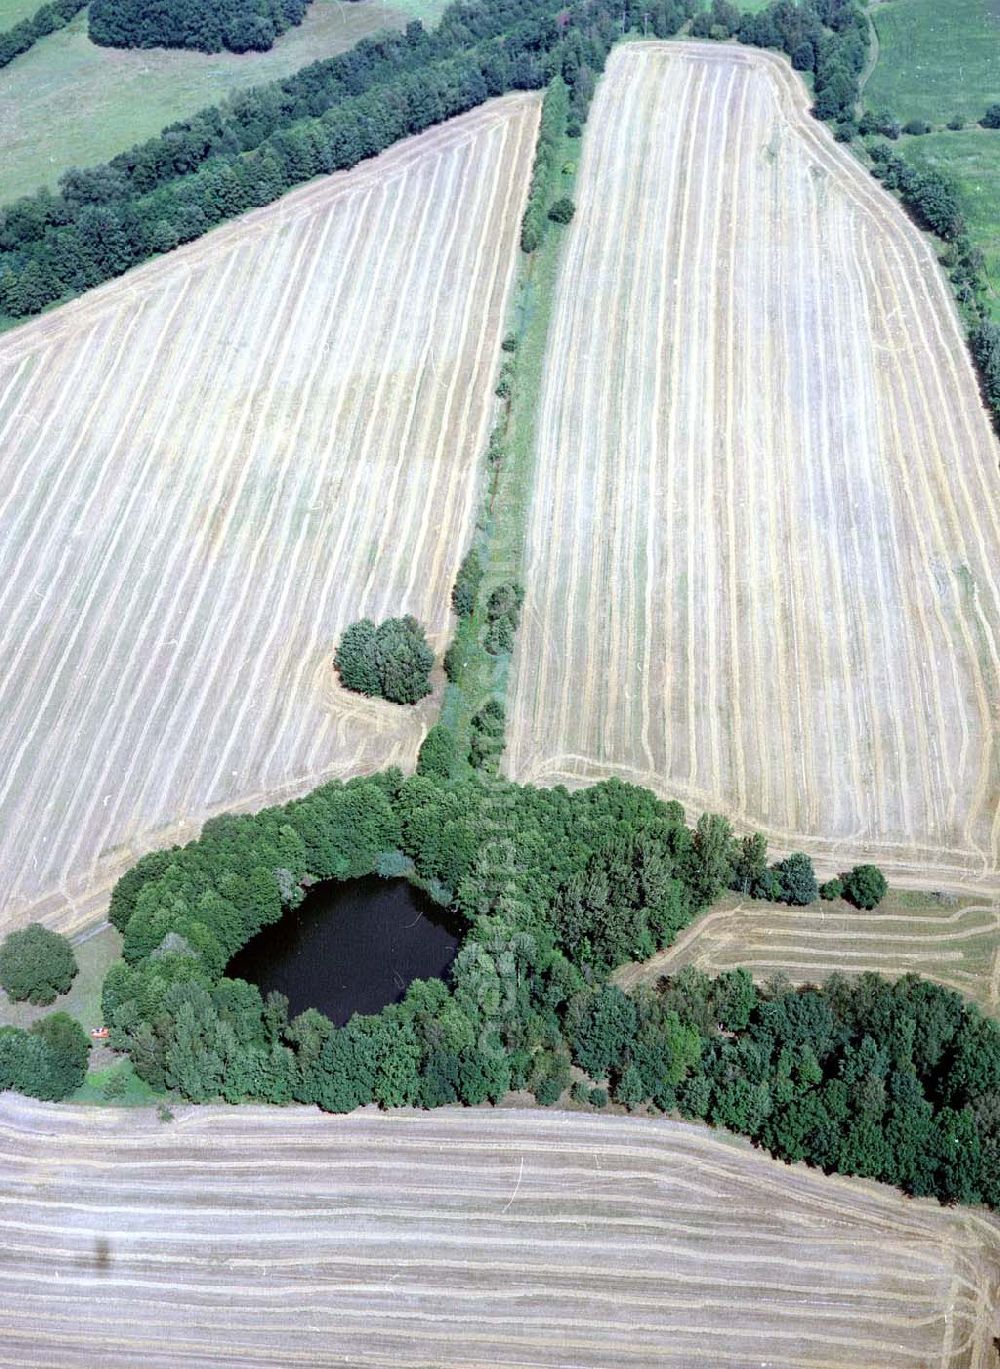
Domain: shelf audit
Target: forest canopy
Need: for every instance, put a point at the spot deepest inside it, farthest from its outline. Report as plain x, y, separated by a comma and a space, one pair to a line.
894, 1081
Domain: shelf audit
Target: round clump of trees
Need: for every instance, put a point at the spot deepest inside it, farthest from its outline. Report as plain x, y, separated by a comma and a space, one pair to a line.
36, 964
865, 886
391, 660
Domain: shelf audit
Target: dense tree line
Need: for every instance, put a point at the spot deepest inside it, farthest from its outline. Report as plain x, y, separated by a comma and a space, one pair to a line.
208, 25
930, 196
828, 38
50, 17
899, 1082
545, 172
253, 148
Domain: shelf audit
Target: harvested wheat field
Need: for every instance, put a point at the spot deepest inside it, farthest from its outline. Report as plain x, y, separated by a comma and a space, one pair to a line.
762, 569
261, 1237
210, 467
953, 940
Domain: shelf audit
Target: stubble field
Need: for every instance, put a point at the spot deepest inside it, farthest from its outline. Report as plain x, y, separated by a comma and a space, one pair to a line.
954, 941
762, 560
231, 1237
210, 467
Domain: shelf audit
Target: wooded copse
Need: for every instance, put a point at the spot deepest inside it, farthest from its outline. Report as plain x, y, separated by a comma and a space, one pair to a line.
209, 26
894, 1081
36, 964
390, 660
47, 1061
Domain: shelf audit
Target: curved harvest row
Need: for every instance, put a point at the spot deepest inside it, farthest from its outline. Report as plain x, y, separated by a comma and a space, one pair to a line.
258, 1236
955, 942
764, 552
211, 466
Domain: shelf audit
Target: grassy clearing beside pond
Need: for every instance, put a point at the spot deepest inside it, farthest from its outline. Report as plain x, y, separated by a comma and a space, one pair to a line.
936, 60
68, 102
94, 955
115, 1085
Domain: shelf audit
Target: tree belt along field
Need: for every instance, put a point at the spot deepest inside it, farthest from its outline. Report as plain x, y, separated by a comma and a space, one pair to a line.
47, 19
327, 117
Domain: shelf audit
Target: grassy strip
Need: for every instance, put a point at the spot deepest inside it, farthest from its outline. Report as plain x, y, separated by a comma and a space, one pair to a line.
500, 533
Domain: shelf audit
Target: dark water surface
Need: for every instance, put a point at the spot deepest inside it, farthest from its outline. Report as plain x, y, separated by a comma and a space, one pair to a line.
353, 946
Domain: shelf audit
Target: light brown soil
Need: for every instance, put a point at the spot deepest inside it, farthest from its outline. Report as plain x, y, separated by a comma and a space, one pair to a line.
762, 574
209, 468
262, 1237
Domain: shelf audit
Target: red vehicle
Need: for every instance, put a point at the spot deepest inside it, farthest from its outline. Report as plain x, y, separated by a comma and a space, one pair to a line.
100, 1033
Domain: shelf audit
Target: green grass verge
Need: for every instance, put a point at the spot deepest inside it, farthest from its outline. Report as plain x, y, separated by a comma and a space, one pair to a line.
95, 956
115, 1085
68, 102
972, 159
936, 60
502, 524
13, 11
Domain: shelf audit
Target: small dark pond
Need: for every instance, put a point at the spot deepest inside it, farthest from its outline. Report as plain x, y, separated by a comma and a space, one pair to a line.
351, 946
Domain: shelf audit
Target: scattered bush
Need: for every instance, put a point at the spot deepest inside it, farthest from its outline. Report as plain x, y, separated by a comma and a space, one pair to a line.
916, 127
880, 121
437, 753
487, 728
833, 888
467, 582
391, 661
797, 879
991, 119
598, 1098
510, 343
580, 1092
505, 381
563, 210
36, 964
503, 613
956, 122
865, 886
